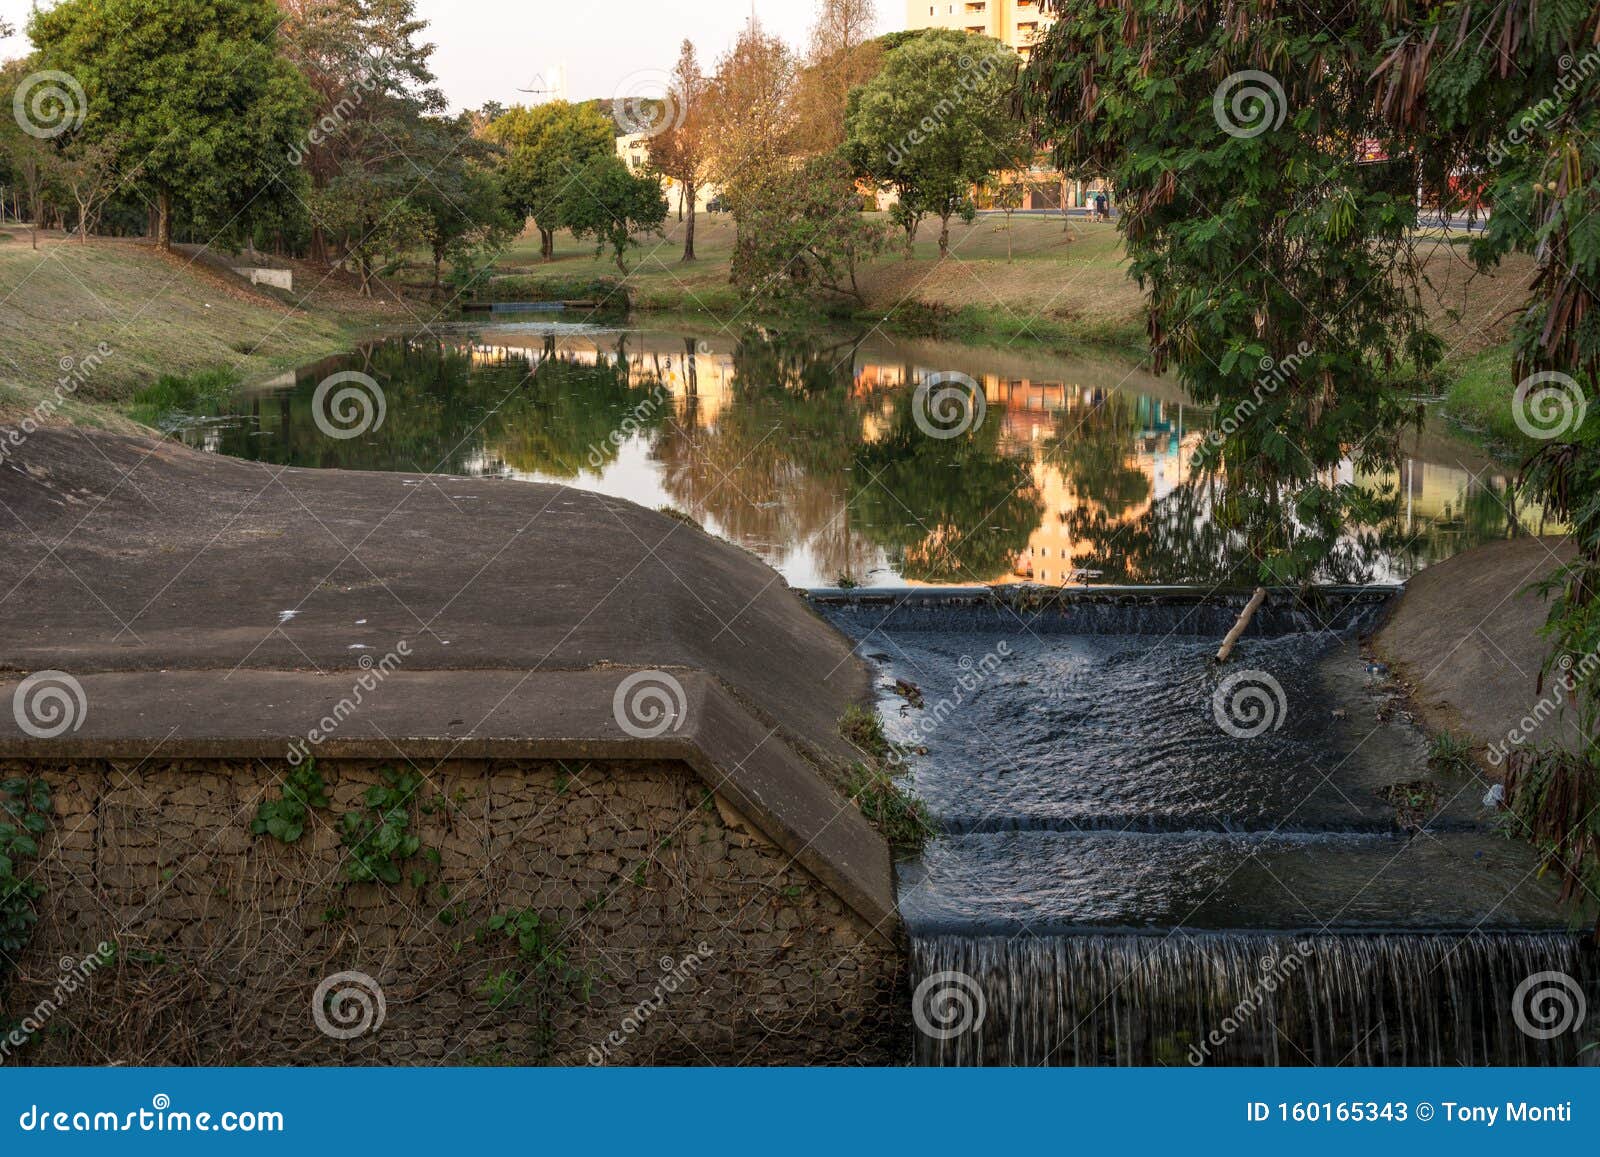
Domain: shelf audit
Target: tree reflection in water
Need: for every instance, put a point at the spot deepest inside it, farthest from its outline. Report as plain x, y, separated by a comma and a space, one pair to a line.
803, 448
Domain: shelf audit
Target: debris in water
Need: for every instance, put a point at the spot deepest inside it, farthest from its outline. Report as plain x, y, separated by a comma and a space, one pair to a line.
1413, 801
285, 616
908, 691
1495, 796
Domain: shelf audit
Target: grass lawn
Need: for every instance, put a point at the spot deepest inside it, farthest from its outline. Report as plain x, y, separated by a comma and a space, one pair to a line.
157, 314
1059, 283
1062, 286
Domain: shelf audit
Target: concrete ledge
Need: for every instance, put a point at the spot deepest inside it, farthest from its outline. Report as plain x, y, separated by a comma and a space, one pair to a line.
438, 715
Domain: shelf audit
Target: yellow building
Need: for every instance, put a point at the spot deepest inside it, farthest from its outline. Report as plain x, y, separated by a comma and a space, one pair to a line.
1015, 23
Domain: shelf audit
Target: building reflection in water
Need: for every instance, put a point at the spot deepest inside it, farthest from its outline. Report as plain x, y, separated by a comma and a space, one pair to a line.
804, 451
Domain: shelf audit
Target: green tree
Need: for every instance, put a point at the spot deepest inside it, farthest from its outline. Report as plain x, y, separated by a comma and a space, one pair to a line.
27, 156
545, 148
371, 77
195, 89
805, 232
1280, 275
1511, 94
936, 120
607, 202
464, 215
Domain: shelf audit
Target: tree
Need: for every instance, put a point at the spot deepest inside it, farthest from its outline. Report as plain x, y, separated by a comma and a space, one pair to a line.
681, 150
1008, 197
609, 203
87, 169
1509, 97
806, 232
195, 90
26, 154
842, 56
545, 148
750, 120
1231, 133
463, 208
371, 78
936, 120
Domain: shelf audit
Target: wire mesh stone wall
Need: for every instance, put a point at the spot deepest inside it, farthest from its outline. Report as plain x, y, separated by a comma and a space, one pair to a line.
552, 913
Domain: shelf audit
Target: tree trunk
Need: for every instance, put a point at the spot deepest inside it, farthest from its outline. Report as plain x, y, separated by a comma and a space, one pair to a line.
164, 219
438, 260
547, 243
688, 232
944, 236
911, 240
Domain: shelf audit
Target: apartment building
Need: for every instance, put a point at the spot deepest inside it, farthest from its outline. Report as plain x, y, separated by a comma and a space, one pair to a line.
1015, 23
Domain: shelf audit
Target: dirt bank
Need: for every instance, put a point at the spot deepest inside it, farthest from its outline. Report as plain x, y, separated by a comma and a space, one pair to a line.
1465, 638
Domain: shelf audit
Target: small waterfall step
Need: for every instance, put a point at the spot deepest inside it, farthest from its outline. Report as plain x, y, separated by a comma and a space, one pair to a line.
1149, 859
1254, 998
1044, 883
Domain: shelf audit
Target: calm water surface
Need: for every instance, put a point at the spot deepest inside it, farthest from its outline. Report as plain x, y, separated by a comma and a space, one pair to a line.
804, 449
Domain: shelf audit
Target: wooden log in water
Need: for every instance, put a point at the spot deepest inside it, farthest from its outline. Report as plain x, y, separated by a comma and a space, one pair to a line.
1238, 628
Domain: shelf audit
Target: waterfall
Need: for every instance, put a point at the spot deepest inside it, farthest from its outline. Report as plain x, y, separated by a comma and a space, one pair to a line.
1107, 611
1239, 998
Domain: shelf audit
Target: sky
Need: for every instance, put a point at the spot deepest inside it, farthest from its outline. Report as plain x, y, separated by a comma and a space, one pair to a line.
489, 49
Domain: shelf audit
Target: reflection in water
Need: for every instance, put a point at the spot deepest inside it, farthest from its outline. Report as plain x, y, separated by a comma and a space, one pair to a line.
804, 450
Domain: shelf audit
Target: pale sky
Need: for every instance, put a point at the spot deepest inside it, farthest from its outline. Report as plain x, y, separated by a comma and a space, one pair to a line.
488, 49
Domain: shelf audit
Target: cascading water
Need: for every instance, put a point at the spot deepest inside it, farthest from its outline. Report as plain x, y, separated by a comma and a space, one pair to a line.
1249, 998
1130, 872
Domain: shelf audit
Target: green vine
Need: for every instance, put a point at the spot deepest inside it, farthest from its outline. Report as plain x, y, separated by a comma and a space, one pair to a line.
539, 973
379, 836
24, 817
284, 818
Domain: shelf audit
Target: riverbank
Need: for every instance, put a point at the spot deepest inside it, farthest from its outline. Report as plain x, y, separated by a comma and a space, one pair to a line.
1035, 280
1465, 643
112, 317
89, 326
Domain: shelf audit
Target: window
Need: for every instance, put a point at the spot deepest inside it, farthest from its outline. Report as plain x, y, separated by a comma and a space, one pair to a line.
977, 5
